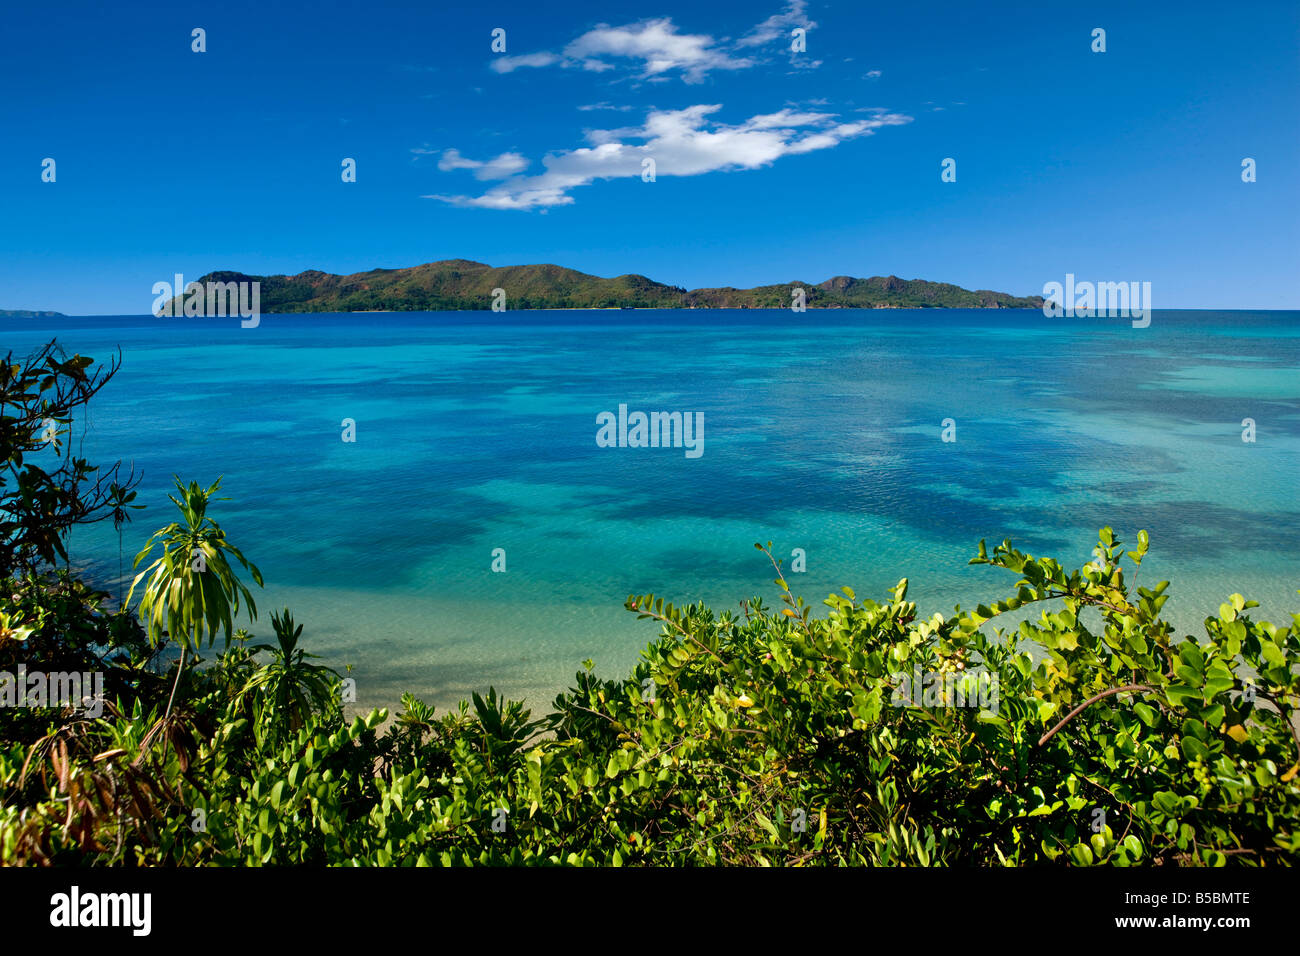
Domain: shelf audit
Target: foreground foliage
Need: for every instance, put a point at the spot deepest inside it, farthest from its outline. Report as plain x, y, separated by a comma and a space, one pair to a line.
45, 489
749, 738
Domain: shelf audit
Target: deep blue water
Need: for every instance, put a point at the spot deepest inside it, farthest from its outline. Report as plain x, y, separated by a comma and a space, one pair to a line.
822, 431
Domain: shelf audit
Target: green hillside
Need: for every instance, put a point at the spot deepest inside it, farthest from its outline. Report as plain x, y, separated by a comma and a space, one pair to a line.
461, 284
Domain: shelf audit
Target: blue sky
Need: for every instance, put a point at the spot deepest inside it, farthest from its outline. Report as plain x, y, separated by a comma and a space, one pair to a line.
771, 165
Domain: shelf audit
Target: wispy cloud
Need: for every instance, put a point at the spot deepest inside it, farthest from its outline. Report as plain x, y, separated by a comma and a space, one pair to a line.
503, 166
508, 64
658, 50
682, 142
654, 44
779, 25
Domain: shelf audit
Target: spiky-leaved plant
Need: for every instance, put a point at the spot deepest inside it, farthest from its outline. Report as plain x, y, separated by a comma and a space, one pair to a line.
191, 589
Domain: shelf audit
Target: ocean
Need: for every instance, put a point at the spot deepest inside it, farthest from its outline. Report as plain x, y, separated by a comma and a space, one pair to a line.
476, 443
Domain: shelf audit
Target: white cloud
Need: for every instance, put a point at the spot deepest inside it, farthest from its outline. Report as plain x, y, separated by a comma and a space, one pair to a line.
873, 74
778, 26
658, 47
786, 118
659, 51
505, 165
682, 142
655, 44
508, 64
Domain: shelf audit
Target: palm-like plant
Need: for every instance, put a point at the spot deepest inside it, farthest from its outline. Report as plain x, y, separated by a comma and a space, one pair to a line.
293, 688
192, 590
119, 500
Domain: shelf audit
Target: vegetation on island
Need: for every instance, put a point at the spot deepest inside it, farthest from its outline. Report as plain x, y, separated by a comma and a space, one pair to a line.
767, 735
461, 284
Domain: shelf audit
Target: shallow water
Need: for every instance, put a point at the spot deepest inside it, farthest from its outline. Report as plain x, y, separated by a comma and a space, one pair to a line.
477, 431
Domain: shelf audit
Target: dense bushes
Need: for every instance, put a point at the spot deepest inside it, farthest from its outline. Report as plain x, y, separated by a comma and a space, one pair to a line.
753, 738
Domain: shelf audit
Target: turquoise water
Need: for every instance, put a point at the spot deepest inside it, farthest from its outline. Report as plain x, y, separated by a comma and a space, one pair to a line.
477, 431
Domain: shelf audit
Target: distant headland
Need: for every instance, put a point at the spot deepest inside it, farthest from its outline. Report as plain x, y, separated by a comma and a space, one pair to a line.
459, 284
29, 314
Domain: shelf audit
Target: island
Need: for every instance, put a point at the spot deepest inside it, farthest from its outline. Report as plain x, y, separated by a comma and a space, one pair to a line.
460, 284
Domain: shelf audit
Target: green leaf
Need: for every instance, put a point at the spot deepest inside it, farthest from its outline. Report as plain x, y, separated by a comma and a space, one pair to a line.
1193, 749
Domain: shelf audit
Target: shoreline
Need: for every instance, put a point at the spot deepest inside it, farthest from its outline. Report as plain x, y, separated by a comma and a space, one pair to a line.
811, 308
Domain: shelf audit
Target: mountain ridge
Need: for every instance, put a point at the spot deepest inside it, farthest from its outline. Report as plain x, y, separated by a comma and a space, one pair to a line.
464, 284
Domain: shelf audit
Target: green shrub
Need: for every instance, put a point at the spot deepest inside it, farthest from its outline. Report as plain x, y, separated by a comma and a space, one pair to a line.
1094, 736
